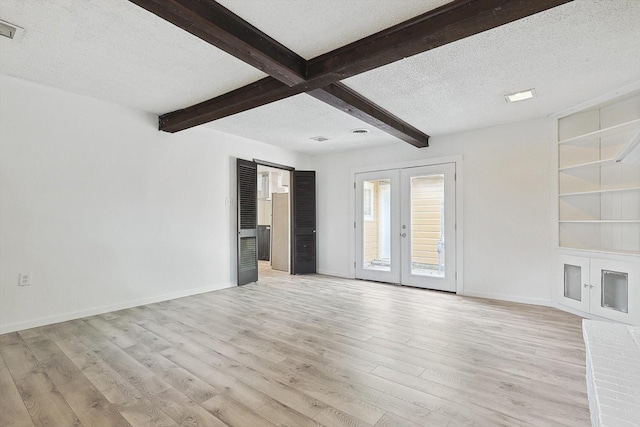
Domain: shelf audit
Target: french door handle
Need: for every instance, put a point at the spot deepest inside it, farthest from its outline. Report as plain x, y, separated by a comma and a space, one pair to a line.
403, 235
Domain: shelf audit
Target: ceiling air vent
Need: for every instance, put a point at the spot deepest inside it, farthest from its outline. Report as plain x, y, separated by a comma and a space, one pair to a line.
10, 31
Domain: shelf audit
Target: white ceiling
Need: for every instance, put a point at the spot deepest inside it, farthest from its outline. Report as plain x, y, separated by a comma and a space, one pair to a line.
116, 51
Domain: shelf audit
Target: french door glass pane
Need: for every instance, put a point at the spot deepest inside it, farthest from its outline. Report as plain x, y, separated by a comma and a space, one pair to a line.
427, 225
376, 220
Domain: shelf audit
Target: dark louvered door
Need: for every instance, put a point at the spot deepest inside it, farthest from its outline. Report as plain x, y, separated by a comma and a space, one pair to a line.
303, 252
247, 174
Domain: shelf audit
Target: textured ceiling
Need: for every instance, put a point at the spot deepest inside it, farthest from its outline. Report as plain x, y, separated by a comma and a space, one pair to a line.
292, 122
116, 51
313, 27
569, 54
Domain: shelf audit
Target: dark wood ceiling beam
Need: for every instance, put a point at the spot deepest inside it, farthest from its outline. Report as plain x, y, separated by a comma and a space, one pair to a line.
449, 23
342, 97
242, 99
222, 28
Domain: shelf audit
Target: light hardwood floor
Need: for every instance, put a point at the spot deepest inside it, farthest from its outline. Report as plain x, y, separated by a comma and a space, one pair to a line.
301, 351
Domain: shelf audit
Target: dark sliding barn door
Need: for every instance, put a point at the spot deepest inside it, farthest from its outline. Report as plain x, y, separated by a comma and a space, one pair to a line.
247, 176
303, 251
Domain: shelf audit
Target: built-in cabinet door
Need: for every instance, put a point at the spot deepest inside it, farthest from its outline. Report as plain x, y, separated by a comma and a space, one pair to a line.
576, 288
616, 290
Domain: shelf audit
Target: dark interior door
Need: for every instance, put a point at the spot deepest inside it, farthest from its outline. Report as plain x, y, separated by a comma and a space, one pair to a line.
303, 251
247, 177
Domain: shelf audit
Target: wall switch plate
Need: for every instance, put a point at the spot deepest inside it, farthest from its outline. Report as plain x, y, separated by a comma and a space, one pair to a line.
25, 279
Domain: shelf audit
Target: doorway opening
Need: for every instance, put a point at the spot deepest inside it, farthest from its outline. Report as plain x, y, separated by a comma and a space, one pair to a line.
299, 218
274, 218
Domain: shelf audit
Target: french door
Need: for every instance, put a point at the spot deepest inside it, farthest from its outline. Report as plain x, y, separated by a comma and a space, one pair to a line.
405, 226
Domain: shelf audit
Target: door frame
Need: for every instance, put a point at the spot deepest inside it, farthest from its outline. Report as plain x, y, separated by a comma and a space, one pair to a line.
457, 159
234, 228
291, 170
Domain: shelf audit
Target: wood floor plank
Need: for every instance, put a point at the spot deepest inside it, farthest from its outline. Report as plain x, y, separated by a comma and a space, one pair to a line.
57, 365
301, 351
50, 409
132, 370
336, 418
12, 409
184, 411
181, 379
96, 370
284, 416
91, 407
43, 401
523, 409
236, 363
233, 413
391, 420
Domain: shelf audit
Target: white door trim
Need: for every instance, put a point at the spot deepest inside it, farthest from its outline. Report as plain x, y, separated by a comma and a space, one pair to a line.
458, 160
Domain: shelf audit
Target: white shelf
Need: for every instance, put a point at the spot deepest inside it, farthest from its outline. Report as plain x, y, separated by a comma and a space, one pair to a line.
601, 221
587, 252
610, 131
589, 164
614, 190
591, 183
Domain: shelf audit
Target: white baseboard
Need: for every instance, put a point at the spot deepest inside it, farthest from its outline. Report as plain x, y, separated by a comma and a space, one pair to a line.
582, 313
511, 298
48, 320
335, 274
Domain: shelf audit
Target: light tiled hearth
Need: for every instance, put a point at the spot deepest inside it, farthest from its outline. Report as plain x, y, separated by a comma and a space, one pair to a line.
613, 373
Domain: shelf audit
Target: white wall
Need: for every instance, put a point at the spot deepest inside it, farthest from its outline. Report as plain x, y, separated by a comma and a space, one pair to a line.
107, 212
508, 206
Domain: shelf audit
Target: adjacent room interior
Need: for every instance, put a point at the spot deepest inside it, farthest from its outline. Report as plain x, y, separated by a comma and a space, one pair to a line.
274, 218
319, 213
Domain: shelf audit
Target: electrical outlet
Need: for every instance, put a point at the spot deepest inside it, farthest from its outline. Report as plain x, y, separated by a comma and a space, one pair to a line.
25, 279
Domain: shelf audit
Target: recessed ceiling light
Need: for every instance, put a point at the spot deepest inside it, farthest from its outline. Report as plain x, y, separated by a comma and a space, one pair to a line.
319, 138
10, 30
360, 131
520, 96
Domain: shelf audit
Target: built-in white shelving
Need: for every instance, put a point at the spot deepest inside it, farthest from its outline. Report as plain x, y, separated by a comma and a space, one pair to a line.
589, 164
600, 221
610, 131
611, 190
598, 191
